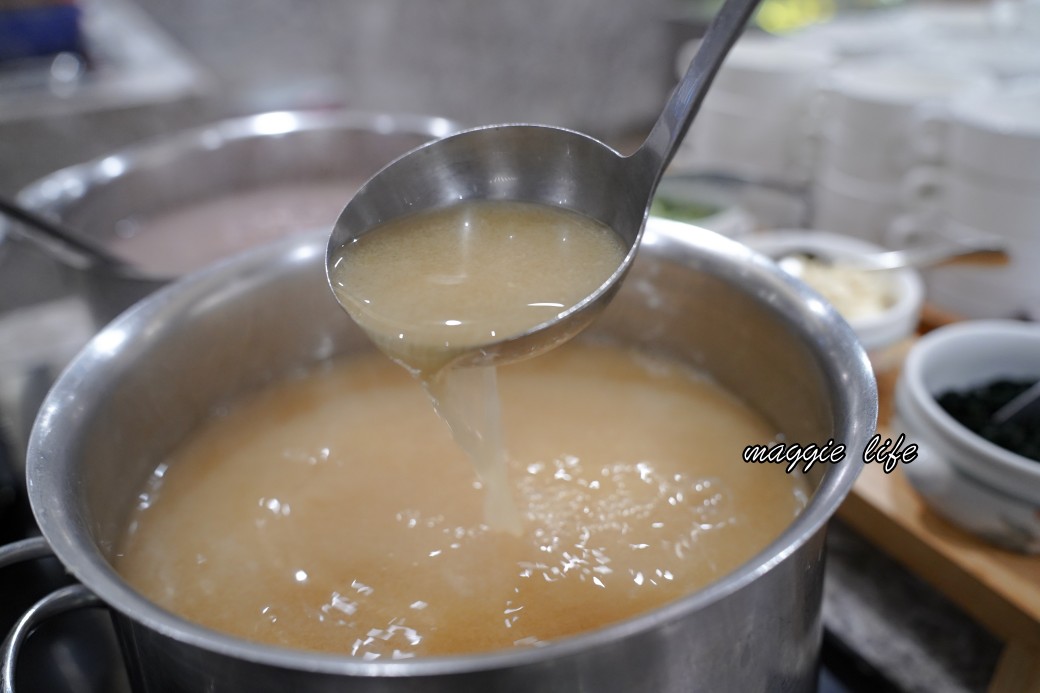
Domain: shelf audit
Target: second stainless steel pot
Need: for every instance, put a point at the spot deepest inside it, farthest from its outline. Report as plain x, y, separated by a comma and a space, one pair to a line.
173, 172
226, 157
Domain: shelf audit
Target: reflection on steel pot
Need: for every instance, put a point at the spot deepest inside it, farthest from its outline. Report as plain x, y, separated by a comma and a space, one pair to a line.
264, 159
153, 375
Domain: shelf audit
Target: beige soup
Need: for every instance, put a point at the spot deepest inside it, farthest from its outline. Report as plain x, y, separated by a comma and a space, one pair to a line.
335, 513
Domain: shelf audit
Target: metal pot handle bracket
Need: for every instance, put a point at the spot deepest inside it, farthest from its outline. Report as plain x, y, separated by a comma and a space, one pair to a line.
57, 602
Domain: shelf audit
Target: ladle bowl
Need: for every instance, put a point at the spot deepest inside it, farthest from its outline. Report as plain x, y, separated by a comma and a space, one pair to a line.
548, 166
530, 163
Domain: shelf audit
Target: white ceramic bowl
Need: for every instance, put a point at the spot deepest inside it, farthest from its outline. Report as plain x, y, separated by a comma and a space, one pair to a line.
972, 482
880, 333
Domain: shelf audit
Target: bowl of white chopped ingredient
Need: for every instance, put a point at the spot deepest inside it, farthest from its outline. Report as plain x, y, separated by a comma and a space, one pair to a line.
882, 306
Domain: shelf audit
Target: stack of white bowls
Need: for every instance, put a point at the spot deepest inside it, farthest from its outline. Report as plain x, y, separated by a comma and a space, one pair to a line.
989, 186
1000, 36
757, 120
882, 120
897, 126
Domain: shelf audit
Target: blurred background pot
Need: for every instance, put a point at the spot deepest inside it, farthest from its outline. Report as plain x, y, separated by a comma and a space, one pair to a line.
244, 179
104, 198
153, 375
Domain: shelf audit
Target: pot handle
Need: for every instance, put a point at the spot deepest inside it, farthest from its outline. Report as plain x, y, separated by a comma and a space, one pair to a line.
57, 602
24, 550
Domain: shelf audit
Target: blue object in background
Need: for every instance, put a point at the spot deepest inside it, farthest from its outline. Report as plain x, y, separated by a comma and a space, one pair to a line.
40, 31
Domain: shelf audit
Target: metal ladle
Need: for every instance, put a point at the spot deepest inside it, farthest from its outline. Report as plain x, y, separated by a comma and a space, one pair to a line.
549, 166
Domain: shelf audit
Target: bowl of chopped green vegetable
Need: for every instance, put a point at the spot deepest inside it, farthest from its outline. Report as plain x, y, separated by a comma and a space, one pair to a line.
975, 467
711, 204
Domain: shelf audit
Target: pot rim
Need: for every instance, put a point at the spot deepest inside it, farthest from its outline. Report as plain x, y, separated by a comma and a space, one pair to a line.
852, 388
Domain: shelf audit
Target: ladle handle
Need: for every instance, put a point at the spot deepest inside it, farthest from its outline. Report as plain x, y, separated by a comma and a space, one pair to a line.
79, 250
654, 155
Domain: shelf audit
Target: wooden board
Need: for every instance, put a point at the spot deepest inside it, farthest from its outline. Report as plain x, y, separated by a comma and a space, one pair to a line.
998, 588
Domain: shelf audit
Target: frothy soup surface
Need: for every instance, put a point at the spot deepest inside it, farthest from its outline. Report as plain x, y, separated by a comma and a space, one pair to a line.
334, 512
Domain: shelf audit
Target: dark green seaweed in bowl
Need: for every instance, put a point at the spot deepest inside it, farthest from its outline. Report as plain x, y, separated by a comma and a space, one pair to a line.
973, 408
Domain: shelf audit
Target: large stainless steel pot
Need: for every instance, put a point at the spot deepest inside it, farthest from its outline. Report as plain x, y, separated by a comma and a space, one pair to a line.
221, 158
150, 377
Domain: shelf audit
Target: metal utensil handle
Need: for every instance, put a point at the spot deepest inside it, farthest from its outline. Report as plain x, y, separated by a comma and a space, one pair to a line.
973, 252
57, 602
82, 250
1021, 407
654, 155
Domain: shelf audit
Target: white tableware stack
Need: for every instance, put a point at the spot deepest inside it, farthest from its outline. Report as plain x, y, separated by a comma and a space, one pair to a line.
1000, 36
859, 35
883, 119
896, 126
990, 185
757, 121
